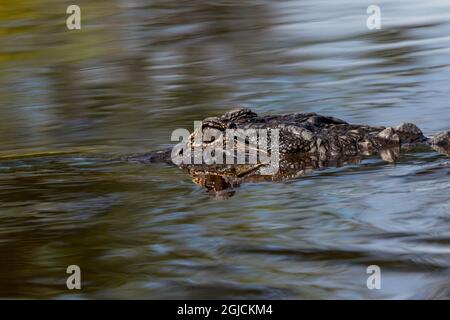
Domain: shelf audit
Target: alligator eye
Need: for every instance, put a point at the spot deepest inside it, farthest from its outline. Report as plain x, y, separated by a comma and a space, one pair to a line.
212, 139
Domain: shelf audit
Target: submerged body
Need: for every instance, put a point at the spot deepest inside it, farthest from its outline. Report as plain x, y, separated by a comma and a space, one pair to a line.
307, 141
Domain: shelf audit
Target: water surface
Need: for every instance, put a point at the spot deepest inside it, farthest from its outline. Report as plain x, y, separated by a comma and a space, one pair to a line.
71, 102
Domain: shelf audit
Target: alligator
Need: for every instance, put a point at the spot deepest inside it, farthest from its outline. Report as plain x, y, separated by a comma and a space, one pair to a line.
306, 142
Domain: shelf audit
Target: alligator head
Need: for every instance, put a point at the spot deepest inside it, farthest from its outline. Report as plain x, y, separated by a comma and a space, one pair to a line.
230, 144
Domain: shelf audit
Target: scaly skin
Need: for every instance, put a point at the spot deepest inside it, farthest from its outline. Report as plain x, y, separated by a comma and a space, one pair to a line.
307, 141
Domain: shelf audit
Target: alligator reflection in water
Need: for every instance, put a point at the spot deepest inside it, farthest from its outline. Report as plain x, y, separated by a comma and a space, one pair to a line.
221, 180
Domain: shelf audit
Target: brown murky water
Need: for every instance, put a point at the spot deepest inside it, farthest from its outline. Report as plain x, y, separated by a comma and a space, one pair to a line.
72, 101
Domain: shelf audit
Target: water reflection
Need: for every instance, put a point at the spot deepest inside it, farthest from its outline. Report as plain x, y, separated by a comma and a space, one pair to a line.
71, 101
